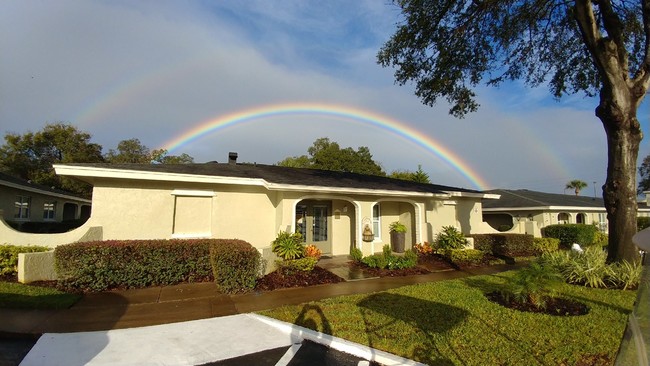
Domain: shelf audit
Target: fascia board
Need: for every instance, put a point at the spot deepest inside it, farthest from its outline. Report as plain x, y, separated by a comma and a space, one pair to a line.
544, 208
92, 172
363, 191
473, 195
44, 192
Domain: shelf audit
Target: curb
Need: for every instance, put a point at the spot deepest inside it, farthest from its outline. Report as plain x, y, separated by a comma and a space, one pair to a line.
337, 343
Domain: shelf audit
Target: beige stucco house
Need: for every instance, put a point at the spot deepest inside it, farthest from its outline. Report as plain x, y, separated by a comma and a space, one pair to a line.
529, 211
254, 202
22, 201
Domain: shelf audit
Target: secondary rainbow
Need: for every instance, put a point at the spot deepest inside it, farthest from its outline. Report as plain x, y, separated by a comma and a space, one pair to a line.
337, 111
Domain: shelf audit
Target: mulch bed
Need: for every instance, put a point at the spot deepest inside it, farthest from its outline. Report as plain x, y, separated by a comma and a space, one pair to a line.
378, 272
554, 306
278, 279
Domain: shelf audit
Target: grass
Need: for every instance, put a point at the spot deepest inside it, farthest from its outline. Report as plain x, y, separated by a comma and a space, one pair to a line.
452, 323
21, 296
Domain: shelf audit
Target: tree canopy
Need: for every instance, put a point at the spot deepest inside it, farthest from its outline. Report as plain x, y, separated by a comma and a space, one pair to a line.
31, 156
577, 185
598, 47
644, 171
418, 176
328, 155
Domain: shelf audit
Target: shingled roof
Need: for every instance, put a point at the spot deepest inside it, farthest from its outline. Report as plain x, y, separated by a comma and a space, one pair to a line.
285, 176
19, 183
524, 198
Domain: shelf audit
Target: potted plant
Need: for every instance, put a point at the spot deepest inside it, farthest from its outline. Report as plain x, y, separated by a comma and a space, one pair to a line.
397, 236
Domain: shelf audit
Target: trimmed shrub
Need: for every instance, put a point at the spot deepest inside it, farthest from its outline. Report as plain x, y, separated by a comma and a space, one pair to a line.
571, 233
289, 266
511, 245
545, 245
102, 265
9, 257
601, 239
236, 265
464, 256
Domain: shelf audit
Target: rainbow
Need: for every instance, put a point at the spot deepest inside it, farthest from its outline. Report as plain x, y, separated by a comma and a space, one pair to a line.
339, 112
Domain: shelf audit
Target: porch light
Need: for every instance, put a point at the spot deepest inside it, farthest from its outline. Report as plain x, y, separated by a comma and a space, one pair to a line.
367, 234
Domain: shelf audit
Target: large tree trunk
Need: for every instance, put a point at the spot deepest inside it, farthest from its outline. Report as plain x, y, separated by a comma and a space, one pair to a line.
624, 135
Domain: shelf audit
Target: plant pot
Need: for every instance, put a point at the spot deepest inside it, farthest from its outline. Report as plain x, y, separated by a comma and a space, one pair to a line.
397, 241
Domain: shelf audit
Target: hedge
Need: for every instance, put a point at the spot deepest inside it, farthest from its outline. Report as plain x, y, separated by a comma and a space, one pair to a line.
642, 223
236, 265
102, 265
9, 257
568, 234
464, 256
545, 245
511, 245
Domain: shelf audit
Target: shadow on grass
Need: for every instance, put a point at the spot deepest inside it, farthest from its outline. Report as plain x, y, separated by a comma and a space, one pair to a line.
306, 319
431, 318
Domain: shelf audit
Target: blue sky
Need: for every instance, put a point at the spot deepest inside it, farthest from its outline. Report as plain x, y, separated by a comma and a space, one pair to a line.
155, 69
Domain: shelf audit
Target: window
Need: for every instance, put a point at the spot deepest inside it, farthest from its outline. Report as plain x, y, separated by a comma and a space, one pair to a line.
376, 221
563, 218
49, 211
21, 210
602, 222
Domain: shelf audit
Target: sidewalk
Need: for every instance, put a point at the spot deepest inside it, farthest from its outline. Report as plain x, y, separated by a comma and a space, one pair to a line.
181, 305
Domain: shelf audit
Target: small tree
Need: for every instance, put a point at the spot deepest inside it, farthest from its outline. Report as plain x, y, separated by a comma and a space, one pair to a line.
577, 185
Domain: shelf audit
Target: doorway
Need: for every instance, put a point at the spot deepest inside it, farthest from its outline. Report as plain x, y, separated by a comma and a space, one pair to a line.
313, 222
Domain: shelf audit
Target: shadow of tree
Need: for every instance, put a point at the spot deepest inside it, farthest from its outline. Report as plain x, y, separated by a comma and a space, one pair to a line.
431, 318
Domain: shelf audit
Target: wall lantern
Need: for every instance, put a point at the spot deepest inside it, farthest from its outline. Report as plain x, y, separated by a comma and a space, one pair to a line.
367, 234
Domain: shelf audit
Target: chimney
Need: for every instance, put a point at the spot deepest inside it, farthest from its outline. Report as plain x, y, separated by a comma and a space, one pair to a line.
232, 158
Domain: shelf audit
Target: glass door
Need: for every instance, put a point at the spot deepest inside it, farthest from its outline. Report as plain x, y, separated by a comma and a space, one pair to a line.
313, 223
319, 223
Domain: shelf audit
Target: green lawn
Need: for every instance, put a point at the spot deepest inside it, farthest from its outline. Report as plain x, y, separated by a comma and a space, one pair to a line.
452, 323
17, 295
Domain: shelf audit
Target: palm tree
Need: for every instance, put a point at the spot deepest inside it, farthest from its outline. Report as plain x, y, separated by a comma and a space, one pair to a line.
576, 184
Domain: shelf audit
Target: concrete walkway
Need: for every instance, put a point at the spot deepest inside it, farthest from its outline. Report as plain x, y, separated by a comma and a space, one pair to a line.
185, 303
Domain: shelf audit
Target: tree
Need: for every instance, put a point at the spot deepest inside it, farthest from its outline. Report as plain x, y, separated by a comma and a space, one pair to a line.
576, 185
418, 176
644, 172
132, 151
599, 47
327, 155
31, 156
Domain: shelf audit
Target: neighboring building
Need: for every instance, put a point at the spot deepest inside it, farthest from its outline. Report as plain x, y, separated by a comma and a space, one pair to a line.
531, 210
22, 201
644, 205
254, 202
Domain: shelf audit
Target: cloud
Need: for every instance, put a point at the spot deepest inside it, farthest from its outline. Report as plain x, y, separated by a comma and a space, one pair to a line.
154, 70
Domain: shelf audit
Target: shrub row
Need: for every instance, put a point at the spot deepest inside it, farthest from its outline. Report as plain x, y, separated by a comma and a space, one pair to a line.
642, 223
388, 260
101, 265
545, 245
9, 257
464, 256
511, 245
585, 235
236, 265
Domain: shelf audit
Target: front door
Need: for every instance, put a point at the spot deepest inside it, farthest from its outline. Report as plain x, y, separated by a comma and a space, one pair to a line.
314, 223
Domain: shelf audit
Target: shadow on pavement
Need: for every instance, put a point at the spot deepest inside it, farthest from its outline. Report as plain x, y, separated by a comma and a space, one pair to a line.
432, 318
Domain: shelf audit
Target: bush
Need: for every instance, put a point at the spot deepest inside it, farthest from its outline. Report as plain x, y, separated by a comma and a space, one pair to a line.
450, 238
236, 265
289, 266
511, 245
571, 233
288, 246
533, 284
9, 257
545, 245
464, 256
601, 239
590, 269
423, 249
101, 265
312, 251
356, 254
387, 260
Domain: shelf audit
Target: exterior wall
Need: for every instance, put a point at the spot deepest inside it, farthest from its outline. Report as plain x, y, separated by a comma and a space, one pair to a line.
87, 232
36, 207
545, 218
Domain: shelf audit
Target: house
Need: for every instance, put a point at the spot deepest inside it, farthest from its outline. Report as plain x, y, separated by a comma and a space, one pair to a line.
23, 202
529, 211
254, 202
